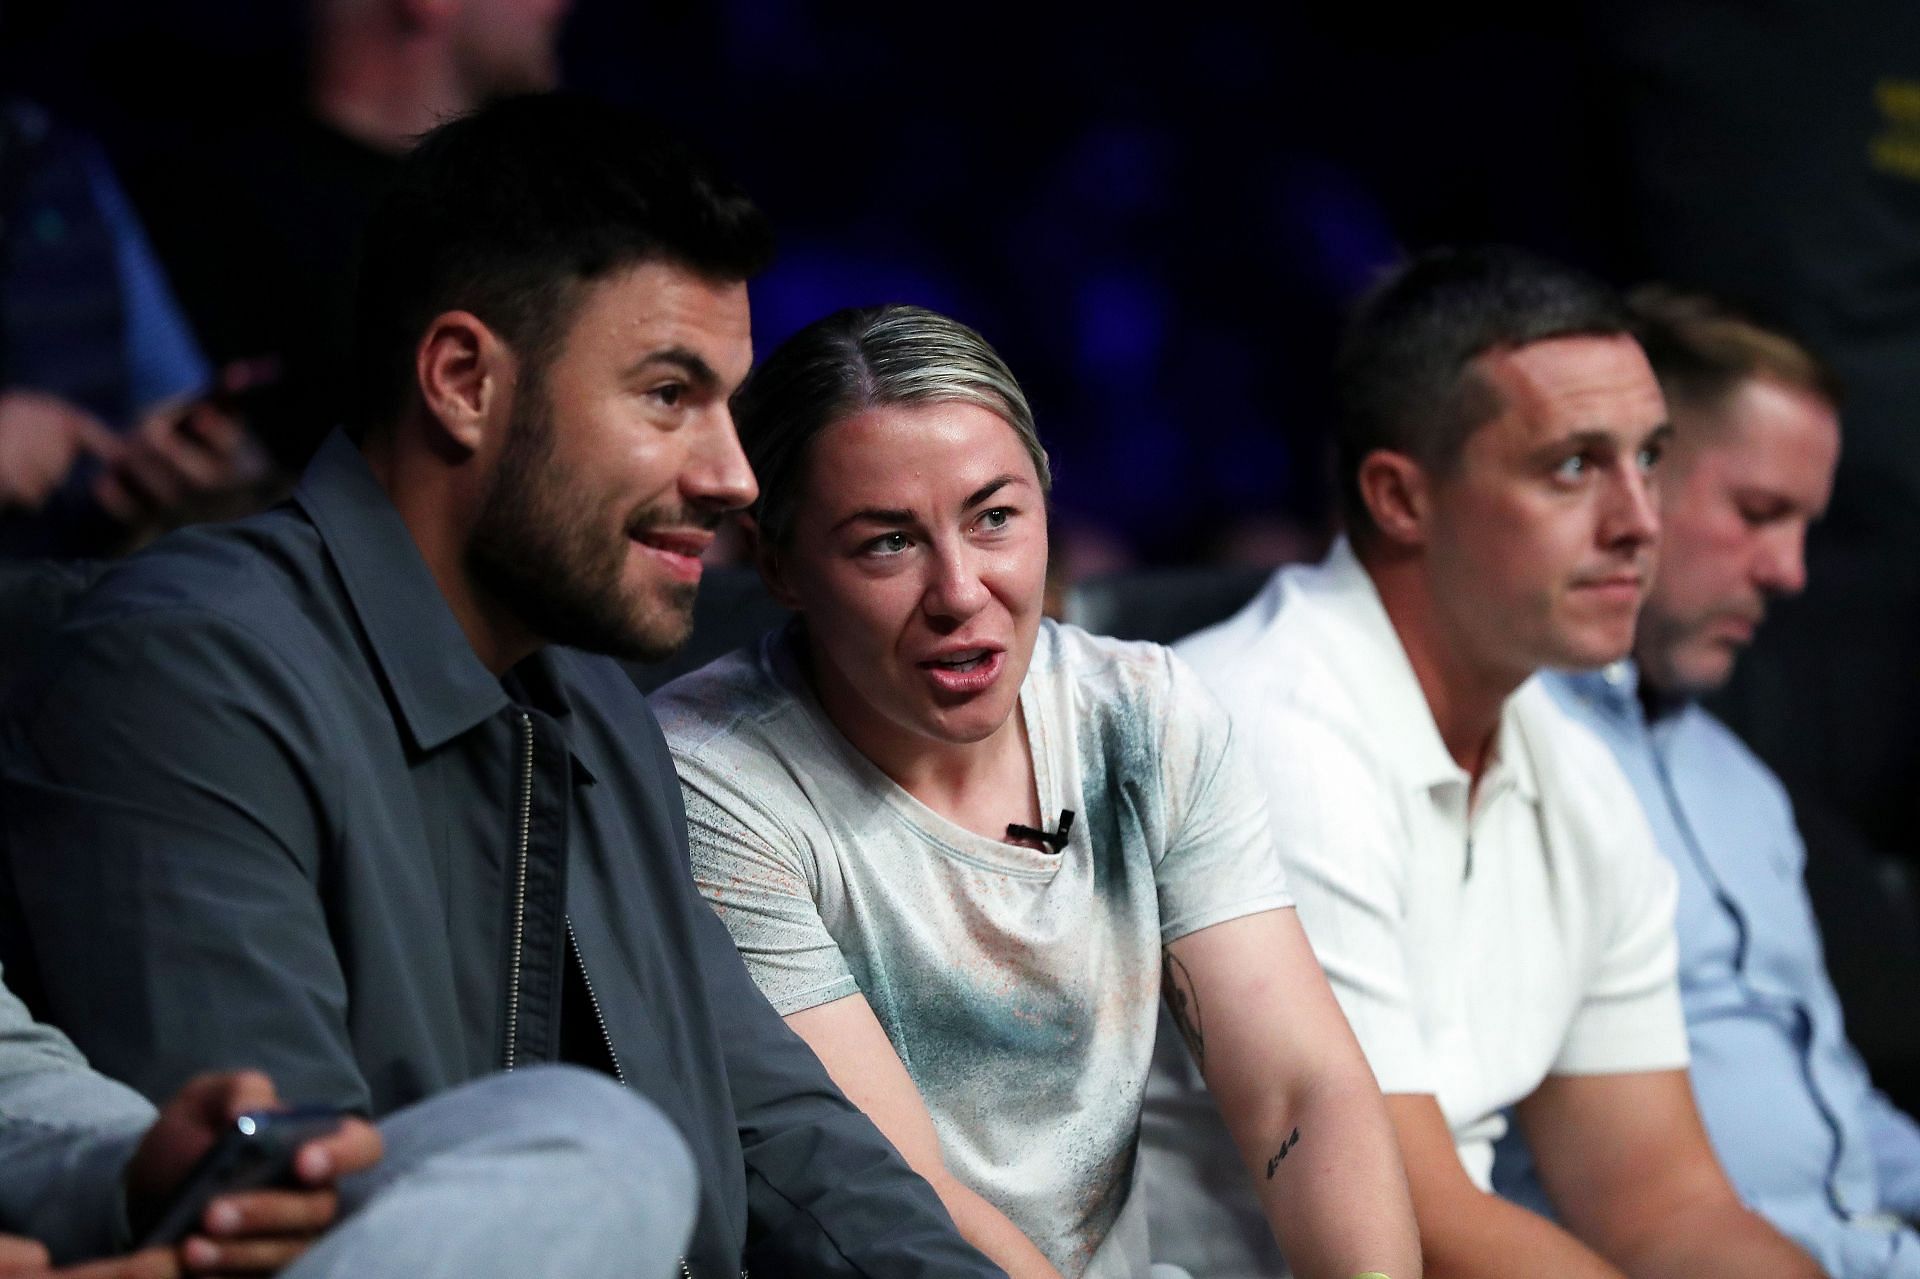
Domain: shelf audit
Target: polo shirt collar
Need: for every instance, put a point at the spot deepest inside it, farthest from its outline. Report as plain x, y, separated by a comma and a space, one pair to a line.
438, 682
1381, 678
1376, 668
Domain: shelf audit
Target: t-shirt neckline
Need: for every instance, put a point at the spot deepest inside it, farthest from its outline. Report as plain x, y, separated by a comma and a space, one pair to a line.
783, 658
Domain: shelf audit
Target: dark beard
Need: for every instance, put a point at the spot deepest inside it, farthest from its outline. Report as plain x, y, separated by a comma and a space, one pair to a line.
556, 567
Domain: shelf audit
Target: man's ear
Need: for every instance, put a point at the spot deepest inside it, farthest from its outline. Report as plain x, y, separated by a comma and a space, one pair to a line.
1399, 496
465, 374
767, 558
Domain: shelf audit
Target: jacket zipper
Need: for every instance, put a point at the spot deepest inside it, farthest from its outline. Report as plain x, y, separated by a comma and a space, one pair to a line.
520, 929
520, 888
599, 1020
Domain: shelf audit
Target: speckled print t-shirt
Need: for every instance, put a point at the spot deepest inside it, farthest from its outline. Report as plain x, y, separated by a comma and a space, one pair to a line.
1019, 987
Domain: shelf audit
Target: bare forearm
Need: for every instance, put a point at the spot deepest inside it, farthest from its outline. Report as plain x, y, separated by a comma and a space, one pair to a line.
987, 1228
1330, 1182
1475, 1235
1718, 1241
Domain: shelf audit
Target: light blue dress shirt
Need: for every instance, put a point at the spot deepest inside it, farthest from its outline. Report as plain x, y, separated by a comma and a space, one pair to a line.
1803, 1134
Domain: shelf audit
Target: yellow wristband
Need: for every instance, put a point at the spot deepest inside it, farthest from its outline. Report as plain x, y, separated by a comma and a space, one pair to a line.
1373, 1274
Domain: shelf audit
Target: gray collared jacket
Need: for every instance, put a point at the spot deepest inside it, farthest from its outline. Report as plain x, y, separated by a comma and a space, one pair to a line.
265, 807
66, 1134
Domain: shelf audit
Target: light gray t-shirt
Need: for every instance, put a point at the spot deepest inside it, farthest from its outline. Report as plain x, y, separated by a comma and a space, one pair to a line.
1019, 987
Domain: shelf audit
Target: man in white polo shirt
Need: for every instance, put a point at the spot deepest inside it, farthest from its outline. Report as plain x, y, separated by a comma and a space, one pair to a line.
1471, 866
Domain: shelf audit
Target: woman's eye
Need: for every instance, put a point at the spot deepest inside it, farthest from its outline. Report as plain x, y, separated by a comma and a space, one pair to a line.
1571, 468
996, 518
886, 544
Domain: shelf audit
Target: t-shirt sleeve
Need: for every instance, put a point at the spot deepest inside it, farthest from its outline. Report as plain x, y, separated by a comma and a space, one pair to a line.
1220, 862
1629, 1018
1343, 846
761, 880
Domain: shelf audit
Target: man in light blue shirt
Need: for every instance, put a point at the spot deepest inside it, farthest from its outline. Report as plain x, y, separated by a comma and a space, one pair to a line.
1788, 1105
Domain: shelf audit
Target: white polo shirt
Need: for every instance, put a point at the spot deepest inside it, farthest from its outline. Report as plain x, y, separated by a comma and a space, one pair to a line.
1474, 951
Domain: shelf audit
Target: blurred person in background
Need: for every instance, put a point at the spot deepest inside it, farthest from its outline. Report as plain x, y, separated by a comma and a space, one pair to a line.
110, 426
1788, 1104
1771, 156
258, 217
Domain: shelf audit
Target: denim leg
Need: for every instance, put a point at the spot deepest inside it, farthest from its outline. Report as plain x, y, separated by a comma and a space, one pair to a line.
550, 1170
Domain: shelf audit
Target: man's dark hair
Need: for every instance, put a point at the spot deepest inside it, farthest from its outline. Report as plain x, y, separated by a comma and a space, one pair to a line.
507, 211
1404, 377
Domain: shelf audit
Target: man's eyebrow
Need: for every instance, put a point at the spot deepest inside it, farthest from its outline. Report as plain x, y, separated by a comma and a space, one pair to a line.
696, 368
1600, 439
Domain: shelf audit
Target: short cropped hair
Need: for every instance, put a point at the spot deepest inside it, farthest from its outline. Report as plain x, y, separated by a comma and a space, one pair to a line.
855, 360
1403, 378
1703, 350
508, 211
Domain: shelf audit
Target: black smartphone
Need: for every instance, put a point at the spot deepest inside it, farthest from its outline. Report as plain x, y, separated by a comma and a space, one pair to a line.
257, 1151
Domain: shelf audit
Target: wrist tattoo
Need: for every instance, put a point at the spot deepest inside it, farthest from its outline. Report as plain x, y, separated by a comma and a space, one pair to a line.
1183, 1001
1273, 1164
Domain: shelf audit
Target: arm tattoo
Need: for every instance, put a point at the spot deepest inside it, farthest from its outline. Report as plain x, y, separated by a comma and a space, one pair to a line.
1183, 1001
1273, 1164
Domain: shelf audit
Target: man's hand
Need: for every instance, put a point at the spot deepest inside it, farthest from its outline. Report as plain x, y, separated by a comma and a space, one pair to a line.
42, 438
188, 459
25, 1259
181, 463
253, 1232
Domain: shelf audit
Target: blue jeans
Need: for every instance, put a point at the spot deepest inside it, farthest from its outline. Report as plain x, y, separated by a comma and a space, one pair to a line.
550, 1170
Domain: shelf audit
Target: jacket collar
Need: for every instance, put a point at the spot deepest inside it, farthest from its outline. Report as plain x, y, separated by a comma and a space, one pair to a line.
436, 679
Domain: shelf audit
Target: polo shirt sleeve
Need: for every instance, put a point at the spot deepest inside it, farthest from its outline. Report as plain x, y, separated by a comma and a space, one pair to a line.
761, 879
1343, 844
1629, 1018
1219, 861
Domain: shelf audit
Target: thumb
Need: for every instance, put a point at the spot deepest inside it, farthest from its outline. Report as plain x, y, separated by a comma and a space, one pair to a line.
245, 1090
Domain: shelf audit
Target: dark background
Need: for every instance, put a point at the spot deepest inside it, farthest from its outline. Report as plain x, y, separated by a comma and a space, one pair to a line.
1158, 221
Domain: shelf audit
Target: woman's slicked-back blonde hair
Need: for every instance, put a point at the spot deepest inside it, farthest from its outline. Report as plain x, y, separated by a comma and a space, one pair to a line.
860, 359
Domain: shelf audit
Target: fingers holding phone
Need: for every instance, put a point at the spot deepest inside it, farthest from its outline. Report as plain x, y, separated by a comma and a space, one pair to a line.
261, 1231
241, 1186
191, 459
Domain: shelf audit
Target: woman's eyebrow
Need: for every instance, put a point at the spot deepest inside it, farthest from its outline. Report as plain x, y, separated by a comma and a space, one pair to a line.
987, 490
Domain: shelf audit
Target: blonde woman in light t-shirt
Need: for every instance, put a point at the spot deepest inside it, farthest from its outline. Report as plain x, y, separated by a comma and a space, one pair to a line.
966, 851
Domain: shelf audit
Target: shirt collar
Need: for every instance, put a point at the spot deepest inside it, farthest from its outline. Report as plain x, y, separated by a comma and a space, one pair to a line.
438, 682
1614, 691
1512, 755
1381, 677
